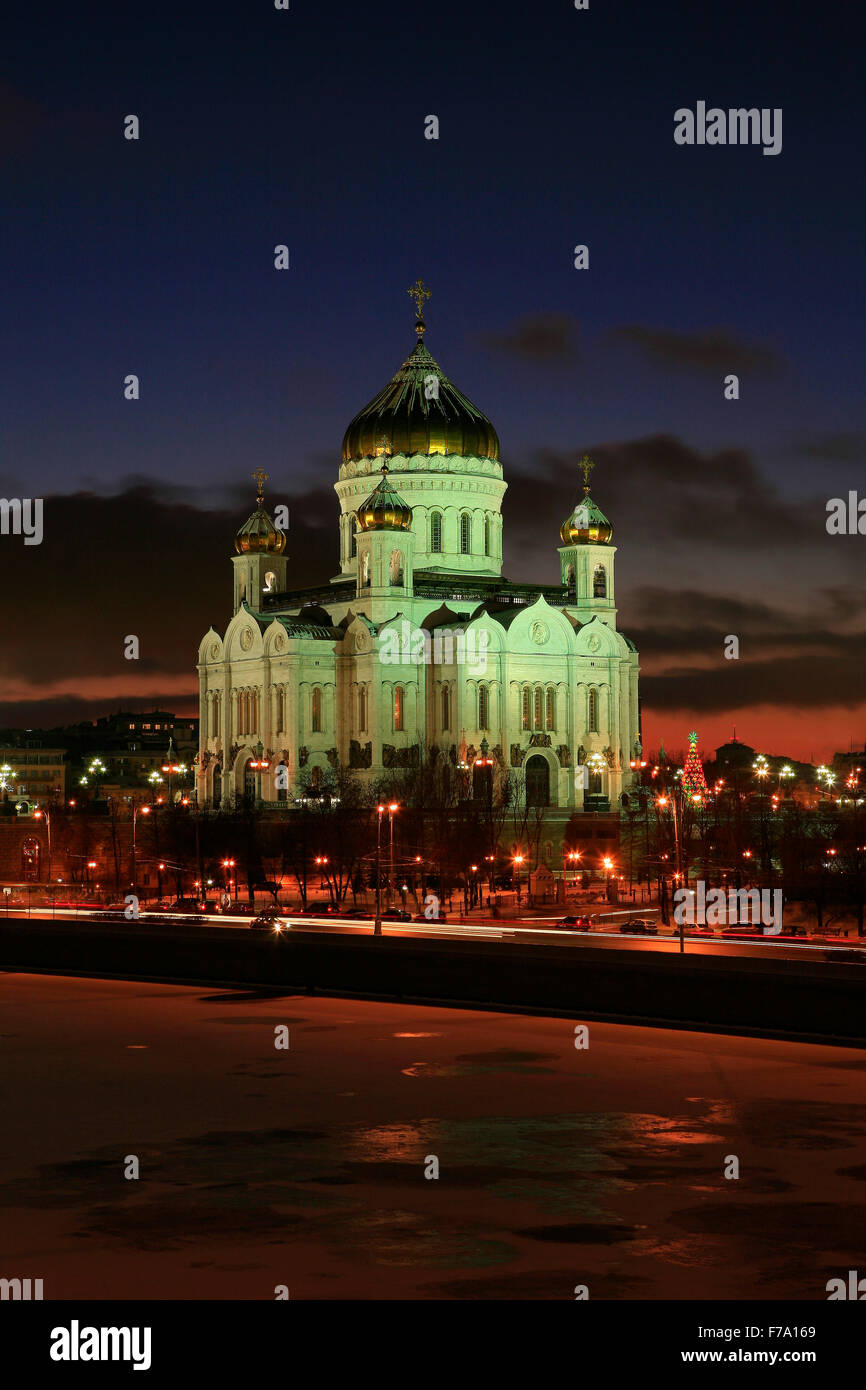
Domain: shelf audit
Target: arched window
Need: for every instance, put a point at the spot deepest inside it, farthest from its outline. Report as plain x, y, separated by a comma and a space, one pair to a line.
446, 708
572, 586
483, 707
539, 712
282, 782
436, 533
592, 717
362, 709
353, 536
599, 582
396, 567
281, 709
398, 708
240, 718
254, 711
316, 711
365, 568
315, 779
550, 712
527, 709
465, 533
250, 785
215, 716
270, 582
217, 786
486, 534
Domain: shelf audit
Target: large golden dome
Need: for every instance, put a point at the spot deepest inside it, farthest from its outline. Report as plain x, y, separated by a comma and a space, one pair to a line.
259, 535
419, 416
384, 510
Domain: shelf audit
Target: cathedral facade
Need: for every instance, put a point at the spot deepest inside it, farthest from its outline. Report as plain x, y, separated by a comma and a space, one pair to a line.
419, 643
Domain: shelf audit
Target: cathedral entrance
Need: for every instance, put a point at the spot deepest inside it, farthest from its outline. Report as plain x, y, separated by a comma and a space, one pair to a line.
537, 781
249, 784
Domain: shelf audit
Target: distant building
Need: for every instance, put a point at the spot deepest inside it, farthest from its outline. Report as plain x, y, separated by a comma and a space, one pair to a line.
38, 773
131, 744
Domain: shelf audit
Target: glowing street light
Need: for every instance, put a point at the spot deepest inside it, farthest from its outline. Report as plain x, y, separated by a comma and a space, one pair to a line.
392, 809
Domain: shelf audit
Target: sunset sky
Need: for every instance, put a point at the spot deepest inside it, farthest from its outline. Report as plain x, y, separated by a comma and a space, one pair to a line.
156, 257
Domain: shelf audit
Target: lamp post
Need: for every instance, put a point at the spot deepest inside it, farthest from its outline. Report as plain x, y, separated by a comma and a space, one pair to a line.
229, 881
136, 811
37, 815
259, 764
377, 925
518, 860
573, 858
391, 809
7, 778
172, 767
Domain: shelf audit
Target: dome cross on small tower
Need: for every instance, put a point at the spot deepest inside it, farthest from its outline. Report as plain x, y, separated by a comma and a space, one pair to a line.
260, 477
586, 467
419, 292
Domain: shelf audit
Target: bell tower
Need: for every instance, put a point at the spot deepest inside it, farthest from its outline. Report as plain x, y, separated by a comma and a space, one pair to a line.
586, 557
260, 560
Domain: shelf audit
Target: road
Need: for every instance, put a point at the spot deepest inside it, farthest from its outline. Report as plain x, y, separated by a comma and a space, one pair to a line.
558, 1166
526, 932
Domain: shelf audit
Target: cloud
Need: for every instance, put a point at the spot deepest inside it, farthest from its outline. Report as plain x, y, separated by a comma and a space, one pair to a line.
840, 447
142, 562
547, 338
795, 682
707, 350
665, 489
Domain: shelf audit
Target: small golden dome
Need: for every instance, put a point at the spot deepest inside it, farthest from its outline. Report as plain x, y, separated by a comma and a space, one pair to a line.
587, 525
384, 510
259, 535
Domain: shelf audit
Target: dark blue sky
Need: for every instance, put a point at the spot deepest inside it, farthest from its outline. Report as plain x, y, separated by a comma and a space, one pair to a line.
556, 127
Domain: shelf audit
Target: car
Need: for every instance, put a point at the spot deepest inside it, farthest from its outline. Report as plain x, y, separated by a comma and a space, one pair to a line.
579, 923
396, 914
640, 926
269, 920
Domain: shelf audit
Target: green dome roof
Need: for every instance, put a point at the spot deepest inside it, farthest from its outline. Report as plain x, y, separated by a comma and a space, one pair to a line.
416, 420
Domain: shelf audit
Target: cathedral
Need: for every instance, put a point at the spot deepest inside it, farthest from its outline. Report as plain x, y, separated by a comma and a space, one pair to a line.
419, 643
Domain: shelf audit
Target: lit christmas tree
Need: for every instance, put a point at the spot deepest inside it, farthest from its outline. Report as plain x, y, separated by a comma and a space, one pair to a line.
694, 782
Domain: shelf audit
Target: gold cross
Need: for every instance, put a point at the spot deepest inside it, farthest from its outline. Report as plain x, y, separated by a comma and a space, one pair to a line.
586, 465
261, 478
385, 444
419, 293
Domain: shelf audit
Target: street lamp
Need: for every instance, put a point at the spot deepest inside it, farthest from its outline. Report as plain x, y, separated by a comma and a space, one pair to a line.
381, 809
97, 767
136, 811
260, 764
229, 881
391, 810
573, 858
7, 778
37, 815
518, 860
